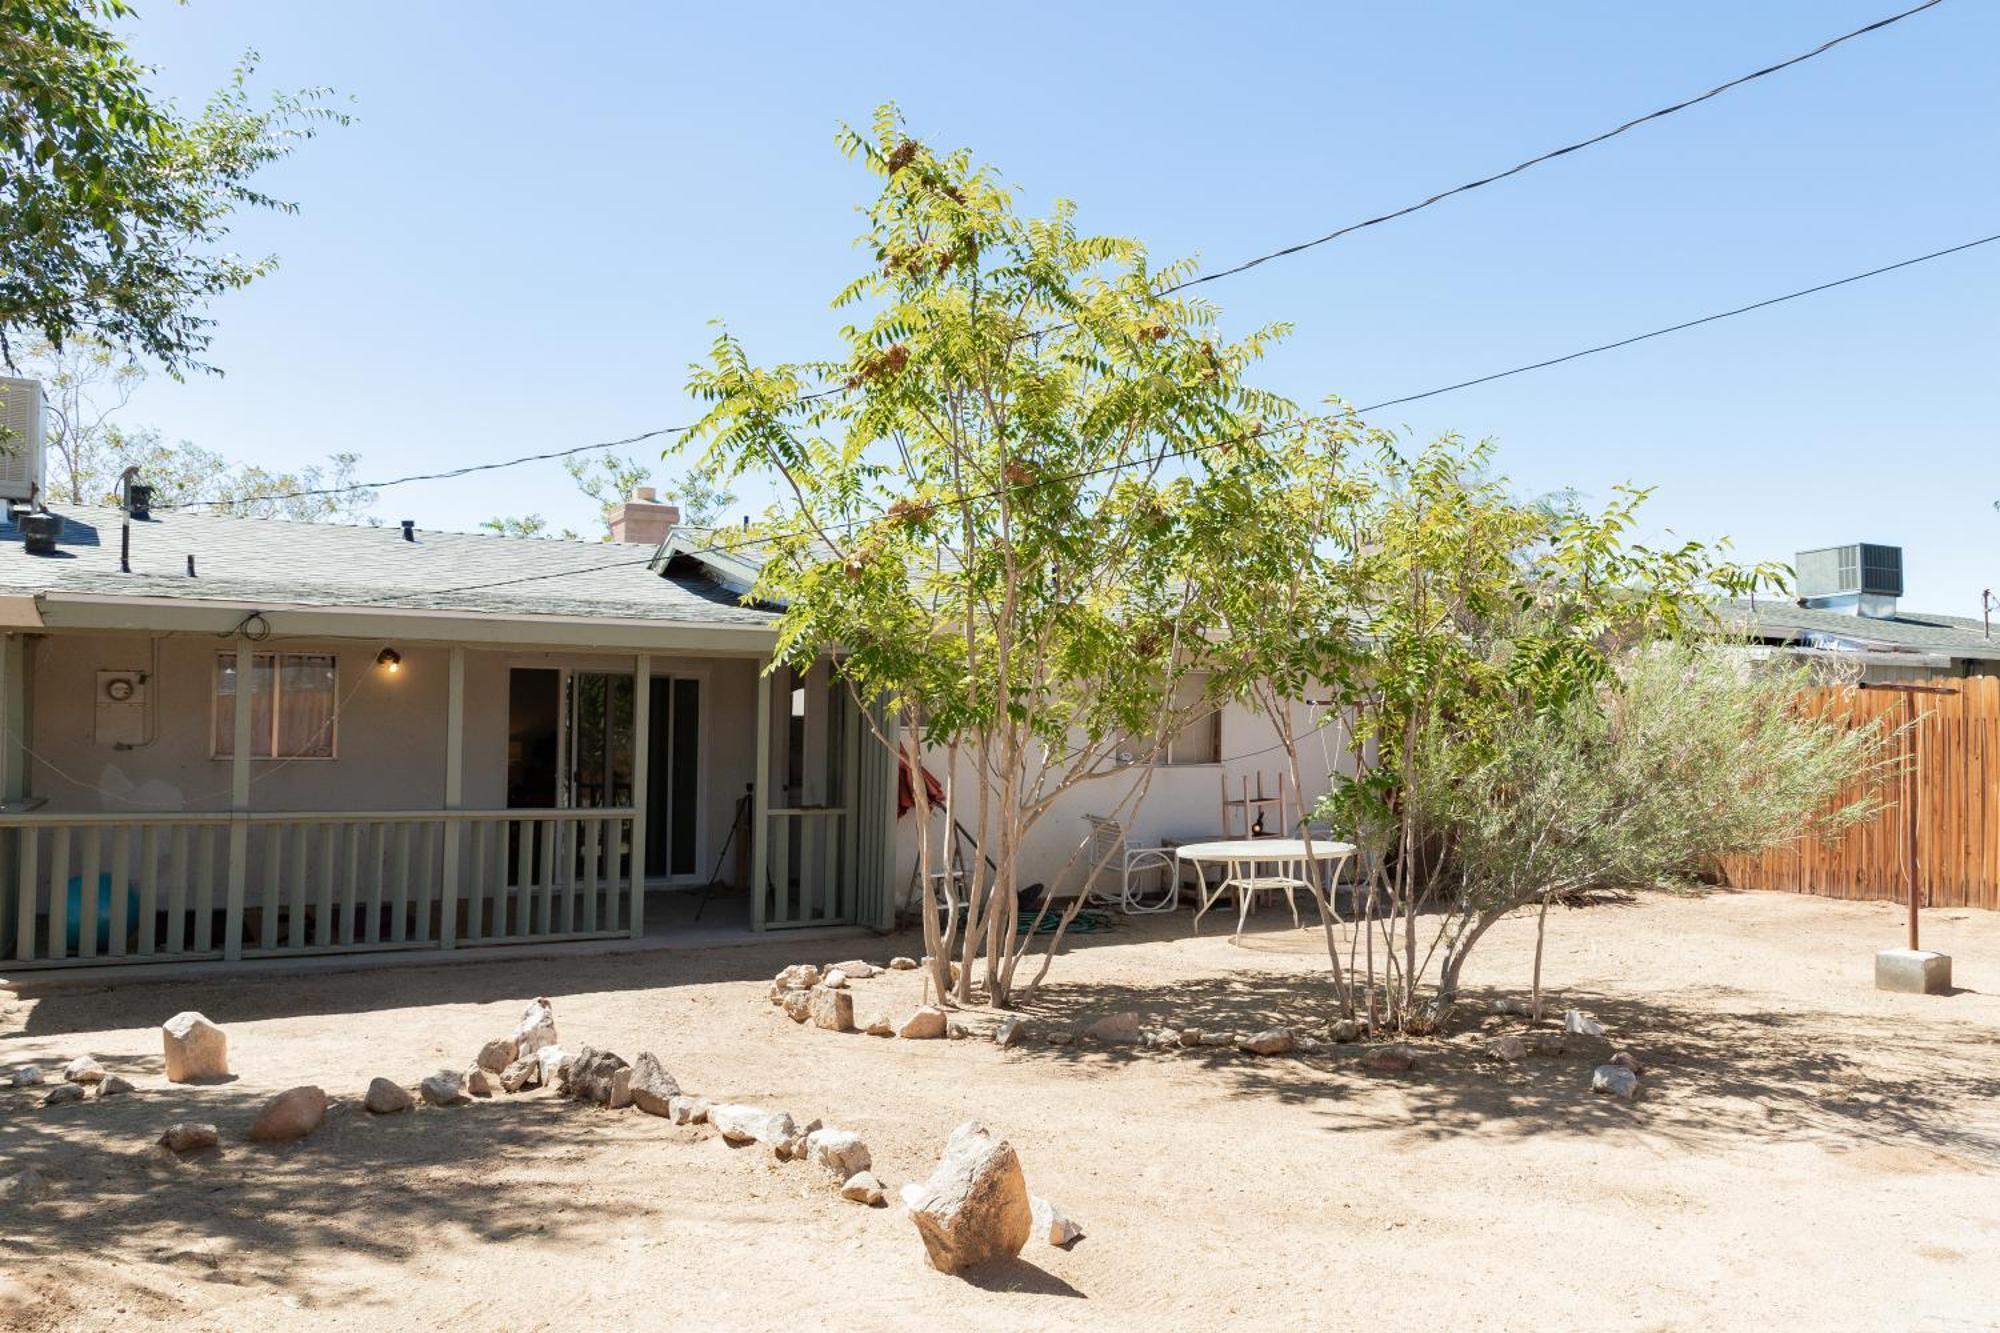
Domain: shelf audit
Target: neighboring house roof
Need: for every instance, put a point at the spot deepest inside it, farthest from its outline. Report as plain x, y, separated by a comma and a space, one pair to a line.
264, 562
1905, 632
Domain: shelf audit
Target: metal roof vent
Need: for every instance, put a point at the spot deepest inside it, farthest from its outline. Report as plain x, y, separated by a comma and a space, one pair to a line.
1862, 579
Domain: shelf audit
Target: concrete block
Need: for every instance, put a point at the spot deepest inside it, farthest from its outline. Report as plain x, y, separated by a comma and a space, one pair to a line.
1913, 971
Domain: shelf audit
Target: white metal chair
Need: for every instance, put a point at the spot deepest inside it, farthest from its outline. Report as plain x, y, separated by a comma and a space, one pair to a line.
1110, 853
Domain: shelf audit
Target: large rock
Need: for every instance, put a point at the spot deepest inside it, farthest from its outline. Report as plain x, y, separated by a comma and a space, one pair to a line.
838, 1152
1271, 1041
551, 1059
113, 1085
1615, 1081
537, 1028
799, 976
1395, 1058
189, 1136
1546, 1043
687, 1110
878, 1025
387, 1098
1343, 1030
857, 970
1579, 1024
974, 1209
478, 1082
794, 1148
291, 1114
62, 1094
834, 979
653, 1088
443, 1088
593, 1076
27, 1076
833, 1010
1118, 1029
496, 1055
753, 1124
196, 1049
1052, 1224
1509, 1048
83, 1069
523, 1074
863, 1187
798, 1004
928, 1022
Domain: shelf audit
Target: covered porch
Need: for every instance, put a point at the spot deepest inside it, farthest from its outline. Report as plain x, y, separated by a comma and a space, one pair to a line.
396, 785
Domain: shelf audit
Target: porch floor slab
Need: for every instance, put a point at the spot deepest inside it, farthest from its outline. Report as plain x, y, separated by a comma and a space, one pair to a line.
676, 920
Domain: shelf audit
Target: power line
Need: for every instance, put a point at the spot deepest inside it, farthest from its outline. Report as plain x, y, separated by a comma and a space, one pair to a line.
1676, 328
1196, 281
1551, 155
1192, 450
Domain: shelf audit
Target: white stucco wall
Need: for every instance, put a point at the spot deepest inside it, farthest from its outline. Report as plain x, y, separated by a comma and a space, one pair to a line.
390, 738
1184, 801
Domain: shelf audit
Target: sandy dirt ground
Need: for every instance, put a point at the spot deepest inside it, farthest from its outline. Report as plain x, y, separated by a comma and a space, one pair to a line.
1806, 1151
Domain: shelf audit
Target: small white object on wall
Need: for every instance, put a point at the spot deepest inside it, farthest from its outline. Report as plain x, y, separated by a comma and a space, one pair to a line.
121, 708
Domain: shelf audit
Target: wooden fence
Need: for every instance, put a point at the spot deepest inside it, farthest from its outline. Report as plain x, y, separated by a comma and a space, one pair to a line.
1957, 770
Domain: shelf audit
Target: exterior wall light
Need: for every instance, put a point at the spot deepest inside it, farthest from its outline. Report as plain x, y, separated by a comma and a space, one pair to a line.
389, 660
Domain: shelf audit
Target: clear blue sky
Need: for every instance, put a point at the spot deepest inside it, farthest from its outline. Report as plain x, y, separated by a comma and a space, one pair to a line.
521, 241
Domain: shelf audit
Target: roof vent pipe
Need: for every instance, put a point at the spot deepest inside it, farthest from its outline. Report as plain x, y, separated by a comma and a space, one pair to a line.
409, 529
39, 531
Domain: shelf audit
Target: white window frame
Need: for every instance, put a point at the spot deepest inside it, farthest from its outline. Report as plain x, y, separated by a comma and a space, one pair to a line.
227, 661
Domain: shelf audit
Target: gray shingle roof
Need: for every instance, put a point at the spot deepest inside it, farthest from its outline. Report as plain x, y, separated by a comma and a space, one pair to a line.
1908, 631
272, 562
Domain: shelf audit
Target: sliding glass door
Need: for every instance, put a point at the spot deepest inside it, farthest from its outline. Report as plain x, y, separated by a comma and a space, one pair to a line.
571, 746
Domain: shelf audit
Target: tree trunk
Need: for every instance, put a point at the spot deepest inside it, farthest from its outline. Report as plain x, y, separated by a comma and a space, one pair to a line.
1541, 932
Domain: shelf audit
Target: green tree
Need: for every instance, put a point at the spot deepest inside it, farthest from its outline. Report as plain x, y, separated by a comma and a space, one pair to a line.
114, 206
993, 499
607, 479
1482, 617
88, 383
1688, 753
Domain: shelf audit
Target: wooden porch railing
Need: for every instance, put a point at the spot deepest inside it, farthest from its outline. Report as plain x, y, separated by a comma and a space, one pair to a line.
811, 866
95, 888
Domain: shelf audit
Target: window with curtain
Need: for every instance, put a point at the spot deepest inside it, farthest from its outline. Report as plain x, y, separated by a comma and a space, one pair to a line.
292, 705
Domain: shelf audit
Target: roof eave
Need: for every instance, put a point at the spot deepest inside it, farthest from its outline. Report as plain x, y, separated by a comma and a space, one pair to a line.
159, 615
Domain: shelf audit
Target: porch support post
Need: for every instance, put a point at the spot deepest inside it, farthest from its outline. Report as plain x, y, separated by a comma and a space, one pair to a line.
760, 800
17, 852
239, 802
14, 718
642, 734
454, 795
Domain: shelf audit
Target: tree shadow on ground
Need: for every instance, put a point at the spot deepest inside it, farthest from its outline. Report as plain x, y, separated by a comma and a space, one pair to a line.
1718, 1071
88, 1179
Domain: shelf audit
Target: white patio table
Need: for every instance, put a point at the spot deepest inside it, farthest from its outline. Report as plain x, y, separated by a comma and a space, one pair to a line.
1240, 859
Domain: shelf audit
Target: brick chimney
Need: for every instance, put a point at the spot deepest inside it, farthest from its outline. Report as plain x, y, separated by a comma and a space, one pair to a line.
643, 519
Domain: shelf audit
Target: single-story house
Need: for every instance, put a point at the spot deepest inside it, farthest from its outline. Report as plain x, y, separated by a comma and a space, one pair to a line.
446, 740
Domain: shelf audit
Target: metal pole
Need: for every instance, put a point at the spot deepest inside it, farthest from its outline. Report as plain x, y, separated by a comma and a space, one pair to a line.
1910, 812
1909, 786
